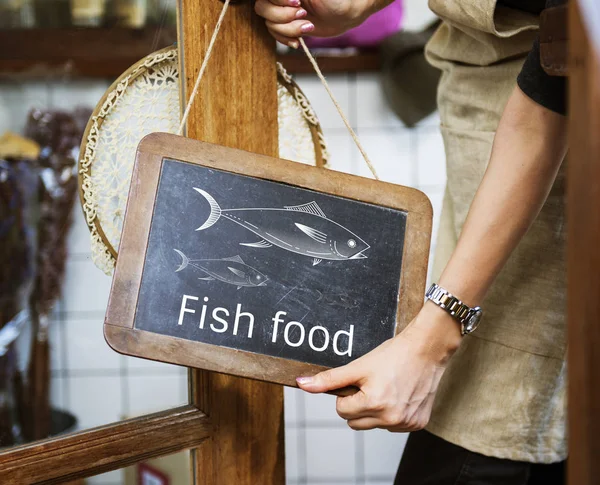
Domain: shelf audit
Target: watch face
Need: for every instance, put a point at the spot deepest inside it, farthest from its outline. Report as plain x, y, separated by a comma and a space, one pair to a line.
473, 320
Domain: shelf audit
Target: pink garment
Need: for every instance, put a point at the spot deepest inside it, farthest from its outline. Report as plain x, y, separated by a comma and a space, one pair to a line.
369, 34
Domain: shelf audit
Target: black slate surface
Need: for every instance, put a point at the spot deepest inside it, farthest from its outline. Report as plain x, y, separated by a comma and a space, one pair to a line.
337, 293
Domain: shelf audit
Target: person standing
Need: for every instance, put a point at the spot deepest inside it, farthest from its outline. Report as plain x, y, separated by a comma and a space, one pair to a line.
484, 404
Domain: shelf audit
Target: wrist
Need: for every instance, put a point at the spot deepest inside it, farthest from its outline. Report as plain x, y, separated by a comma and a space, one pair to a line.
438, 332
442, 322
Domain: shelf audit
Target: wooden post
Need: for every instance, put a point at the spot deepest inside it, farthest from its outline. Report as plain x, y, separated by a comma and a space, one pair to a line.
236, 107
583, 254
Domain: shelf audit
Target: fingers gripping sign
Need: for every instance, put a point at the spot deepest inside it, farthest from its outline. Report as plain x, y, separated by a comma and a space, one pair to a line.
330, 380
285, 19
277, 14
397, 381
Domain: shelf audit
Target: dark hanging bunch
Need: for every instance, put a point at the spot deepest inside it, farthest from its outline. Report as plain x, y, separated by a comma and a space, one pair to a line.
18, 201
18, 181
59, 136
36, 204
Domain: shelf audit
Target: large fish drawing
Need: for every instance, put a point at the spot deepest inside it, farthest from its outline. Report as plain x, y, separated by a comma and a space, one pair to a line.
302, 229
228, 270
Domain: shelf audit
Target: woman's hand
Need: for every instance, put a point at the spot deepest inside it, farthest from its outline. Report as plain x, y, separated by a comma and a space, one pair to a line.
287, 20
398, 380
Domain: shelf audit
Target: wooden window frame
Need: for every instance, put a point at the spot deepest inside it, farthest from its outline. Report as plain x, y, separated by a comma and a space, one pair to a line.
106, 448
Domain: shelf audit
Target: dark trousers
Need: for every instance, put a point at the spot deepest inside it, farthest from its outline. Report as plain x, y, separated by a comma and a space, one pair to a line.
429, 460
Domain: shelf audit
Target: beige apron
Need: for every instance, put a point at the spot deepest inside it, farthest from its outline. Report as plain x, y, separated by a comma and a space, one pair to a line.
503, 394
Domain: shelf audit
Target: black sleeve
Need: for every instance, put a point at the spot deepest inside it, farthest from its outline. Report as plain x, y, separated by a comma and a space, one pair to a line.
548, 91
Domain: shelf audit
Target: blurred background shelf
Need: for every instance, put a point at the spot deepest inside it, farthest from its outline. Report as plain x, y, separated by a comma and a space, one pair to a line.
106, 52
356, 61
77, 52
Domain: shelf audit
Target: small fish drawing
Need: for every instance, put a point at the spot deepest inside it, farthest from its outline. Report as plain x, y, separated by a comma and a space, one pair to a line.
302, 229
228, 270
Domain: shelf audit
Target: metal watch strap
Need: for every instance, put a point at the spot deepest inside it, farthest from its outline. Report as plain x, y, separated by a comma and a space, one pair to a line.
455, 307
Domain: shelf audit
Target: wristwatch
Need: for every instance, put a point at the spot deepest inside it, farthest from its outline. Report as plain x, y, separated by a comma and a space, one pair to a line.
468, 317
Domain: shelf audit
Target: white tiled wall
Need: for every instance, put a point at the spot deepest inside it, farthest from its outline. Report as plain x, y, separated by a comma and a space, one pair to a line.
100, 386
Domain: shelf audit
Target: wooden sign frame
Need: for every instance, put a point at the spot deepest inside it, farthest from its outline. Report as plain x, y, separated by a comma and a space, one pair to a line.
119, 328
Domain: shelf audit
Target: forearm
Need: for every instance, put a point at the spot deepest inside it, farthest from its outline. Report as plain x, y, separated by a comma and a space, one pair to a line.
528, 149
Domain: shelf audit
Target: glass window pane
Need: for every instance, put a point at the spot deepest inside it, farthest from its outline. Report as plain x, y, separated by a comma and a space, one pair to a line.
166, 470
62, 371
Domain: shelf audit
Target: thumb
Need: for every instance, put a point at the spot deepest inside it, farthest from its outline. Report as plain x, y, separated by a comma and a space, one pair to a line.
329, 380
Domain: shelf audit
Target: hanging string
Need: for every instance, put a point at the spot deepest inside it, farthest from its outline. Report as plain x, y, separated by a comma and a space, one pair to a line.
339, 108
312, 60
209, 51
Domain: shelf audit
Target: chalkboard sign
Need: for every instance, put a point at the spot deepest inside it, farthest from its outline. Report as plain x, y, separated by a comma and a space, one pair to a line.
259, 267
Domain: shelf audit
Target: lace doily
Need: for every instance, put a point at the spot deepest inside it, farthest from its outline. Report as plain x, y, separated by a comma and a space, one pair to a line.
145, 99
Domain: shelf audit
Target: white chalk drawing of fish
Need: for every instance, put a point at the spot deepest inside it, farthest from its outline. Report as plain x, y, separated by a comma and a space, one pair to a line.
302, 229
228, 270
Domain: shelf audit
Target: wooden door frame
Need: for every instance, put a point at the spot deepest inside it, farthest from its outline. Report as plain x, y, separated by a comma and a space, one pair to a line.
236, 107
583, 276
